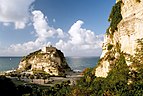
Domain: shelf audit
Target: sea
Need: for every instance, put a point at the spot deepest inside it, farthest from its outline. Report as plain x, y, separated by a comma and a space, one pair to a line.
76, 63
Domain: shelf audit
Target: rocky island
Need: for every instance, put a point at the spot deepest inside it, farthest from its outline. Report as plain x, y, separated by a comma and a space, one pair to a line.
48, 59
119, 71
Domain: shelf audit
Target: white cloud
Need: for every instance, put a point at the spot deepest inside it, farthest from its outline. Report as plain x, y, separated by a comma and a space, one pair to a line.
22, 49
54, 20
60, 33
40, 25
19, 25
76, 42
6, 24
43, 30
81, 42
75, 33
15, 11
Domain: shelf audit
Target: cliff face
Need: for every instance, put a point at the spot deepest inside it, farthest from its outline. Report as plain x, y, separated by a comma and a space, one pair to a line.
49, 59
123, 38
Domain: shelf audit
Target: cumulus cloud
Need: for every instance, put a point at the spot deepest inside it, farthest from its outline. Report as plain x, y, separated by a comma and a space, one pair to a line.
81, 41
76, 42
23, 49
61, 33
15, 11
54, 20
42, 29
75, 33
6, 24
40, 25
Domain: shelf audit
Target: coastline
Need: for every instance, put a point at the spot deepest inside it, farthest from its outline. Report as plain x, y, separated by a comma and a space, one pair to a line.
72, 76
8, 71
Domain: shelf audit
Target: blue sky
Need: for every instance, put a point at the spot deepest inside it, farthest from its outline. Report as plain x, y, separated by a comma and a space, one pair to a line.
74, 26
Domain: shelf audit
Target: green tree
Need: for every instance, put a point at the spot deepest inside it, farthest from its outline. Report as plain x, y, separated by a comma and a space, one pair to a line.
19, 76
115, 17
7, 87
31, 77
117, 78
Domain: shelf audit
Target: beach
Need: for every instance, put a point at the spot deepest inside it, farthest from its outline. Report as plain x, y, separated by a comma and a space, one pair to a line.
71, 76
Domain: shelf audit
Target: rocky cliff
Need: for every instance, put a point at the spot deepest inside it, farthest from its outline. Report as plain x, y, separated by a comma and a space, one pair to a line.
49, 60
126, 23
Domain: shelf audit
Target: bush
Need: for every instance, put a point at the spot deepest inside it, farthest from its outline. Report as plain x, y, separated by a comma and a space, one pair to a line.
110, 46
115, 17
114, 84
7, 87
138, 1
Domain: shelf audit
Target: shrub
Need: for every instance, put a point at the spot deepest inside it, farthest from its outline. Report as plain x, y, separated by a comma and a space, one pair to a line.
138, 1
115, 17
110, 46
7, 87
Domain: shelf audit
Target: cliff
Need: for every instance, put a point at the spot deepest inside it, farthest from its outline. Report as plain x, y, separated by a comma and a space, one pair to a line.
49, 60
122, 36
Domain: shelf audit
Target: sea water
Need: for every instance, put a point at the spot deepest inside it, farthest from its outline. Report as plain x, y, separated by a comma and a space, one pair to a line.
80, 63
76, 63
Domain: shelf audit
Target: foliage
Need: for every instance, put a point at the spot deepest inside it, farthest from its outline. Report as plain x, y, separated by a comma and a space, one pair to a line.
118, 47
24, 90
7, 87
30, 55
139, 51
31, 77
138, 1
115, 17
57, 90
136, 87
115, 84
110, 46
137, 60
117, 78
121, 80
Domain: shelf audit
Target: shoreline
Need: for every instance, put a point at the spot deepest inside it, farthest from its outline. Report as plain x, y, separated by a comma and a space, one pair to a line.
8, 71
72, 76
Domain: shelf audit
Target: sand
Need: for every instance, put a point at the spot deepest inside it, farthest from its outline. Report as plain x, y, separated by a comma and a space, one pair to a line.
72, 76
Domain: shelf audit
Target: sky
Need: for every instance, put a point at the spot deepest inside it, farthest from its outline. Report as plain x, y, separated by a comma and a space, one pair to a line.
76, 27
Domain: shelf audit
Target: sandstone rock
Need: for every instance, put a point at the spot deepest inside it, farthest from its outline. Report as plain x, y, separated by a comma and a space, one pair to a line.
49, 60
124, 39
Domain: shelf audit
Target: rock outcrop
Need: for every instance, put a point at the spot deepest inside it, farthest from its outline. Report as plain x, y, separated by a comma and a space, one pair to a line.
124, 37
49, 60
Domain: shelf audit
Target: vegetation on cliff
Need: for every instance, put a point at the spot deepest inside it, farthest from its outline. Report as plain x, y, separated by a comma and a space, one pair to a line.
31, 55
121, 81
138, 1
115, 17
8, 88
49, 60
139, 51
